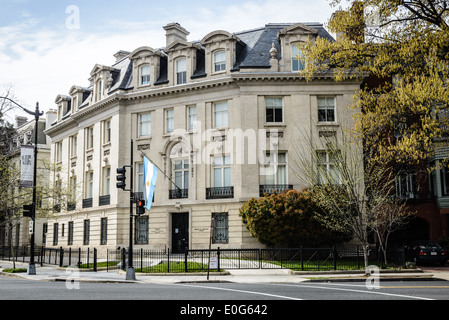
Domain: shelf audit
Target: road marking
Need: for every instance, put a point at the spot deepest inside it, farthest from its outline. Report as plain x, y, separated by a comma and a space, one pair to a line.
415, 287
241, 291
373, 291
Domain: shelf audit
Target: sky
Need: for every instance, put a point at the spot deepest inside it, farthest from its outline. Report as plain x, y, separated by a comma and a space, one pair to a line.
47, 46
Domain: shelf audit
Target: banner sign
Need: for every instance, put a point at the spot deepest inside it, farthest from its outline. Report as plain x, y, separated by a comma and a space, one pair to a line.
26, 166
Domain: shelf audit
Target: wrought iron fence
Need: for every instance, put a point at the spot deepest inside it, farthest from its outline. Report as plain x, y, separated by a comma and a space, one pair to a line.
164, 261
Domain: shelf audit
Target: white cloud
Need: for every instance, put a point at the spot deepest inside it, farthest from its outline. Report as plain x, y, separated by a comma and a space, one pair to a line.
41, 63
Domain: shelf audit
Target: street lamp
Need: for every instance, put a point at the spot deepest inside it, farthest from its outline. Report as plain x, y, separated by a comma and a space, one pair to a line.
32, 267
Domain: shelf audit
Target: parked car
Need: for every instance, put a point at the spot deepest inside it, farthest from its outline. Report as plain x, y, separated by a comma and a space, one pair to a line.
426, 252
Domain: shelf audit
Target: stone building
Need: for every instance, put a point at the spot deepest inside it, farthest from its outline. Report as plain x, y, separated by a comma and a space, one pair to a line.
221, 117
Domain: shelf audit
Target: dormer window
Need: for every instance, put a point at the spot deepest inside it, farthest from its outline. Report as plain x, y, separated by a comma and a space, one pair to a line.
297, 64
220, 61
145, 75
98, 93
181, 71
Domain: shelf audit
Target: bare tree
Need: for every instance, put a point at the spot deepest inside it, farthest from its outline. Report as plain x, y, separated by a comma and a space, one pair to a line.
352, 192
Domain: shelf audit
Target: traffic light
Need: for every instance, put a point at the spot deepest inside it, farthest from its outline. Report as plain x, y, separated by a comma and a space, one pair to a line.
28, 210
121, 178
140, 207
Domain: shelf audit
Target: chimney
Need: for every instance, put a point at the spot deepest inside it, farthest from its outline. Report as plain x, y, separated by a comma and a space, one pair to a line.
174, 32
20, 121
120, 55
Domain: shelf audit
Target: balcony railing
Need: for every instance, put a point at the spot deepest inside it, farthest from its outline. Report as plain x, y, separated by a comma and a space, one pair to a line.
87, 203
220, 193
273, 188
105, 200
178, 193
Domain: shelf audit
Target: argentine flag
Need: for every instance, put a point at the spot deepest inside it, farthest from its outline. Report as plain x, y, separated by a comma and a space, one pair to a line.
150, 177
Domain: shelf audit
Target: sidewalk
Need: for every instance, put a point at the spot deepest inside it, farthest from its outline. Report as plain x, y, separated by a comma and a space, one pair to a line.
54, 273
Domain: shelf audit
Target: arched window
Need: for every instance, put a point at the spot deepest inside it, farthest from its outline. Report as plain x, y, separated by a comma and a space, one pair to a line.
297, 64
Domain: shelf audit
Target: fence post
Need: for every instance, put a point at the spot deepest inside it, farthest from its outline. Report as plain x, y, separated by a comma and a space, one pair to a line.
168, 260
186, 252
301, 258
334, 253
95, 259
123, 259
141, 259
61, 256
218, 259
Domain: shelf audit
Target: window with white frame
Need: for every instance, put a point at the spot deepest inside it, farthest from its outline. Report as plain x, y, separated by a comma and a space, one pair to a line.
107, 131
58, 150
98, 90
181, 71
274, 110
191, 118
73, 145
145, 75
181, 173
139, 178
222, 171
144, 124
275, 168
221, 114
89, 185
326, 109
106, 181
90, 137
169, 120
221, 227
327, 168
297, 64
220, 61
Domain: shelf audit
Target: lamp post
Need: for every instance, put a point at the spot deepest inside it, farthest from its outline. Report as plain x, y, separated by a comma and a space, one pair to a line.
31, 266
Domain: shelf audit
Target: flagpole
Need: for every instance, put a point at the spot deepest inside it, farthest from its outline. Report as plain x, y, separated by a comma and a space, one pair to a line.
163, 172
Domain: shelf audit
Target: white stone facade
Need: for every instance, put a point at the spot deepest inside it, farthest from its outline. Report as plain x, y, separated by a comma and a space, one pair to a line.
207, 113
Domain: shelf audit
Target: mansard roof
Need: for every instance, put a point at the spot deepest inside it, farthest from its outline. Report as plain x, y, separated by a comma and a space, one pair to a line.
252, 52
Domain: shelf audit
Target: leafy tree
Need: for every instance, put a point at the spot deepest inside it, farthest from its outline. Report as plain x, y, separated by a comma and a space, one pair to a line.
401, 49
287, 219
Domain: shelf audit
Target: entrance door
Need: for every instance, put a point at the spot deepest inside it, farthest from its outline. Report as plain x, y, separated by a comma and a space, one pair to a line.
180, 232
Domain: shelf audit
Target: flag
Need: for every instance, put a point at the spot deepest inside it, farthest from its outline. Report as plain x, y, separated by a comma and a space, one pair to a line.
150, 176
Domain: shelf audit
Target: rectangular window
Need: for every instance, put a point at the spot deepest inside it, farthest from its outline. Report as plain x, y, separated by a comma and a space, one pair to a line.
274, 110
90, 137
70, 234
191, 118
326, 109
221, 227
104, 231
275, 169
221, 115
139, 178
145, 75
327, 169
144, 124
444, 173
220, 61
86, 232
89, 184
297, 64
222, 171
141, 230
73, 145
181, 172
107, 131
55, 233
58, 149
181, 71
106, 181
169, 120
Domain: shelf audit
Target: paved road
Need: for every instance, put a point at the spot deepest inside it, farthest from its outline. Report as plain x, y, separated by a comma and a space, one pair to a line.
22, 289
